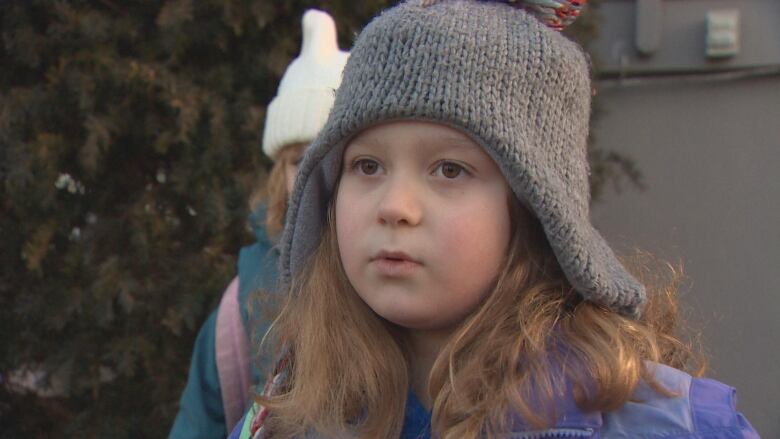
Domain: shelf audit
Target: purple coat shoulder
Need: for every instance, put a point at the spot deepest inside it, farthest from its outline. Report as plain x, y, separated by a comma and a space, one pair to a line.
701, 409
704, 408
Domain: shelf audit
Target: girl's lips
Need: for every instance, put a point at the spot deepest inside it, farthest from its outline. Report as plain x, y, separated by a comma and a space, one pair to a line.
394, 263
395, 267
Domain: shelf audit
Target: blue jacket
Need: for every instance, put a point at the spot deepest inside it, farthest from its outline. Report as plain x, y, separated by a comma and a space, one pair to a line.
703, 409
201, 413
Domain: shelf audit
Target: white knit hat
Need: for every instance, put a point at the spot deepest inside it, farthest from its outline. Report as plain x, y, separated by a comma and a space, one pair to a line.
308, 88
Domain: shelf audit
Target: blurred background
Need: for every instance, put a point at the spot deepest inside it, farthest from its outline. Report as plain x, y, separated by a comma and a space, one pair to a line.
130, 142
690, 91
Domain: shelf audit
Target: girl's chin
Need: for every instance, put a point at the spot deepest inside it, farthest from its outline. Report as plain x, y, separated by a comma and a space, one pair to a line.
417, 322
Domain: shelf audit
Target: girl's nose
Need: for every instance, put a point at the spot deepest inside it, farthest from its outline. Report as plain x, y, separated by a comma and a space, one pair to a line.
401, 204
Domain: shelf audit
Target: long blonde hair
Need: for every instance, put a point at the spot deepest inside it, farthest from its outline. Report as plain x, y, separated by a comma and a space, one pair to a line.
349, 372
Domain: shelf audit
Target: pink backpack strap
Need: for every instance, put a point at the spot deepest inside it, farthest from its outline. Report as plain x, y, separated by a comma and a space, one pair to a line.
232, 354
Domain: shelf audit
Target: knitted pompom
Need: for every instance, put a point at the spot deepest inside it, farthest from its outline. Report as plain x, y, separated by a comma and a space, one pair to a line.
556, 14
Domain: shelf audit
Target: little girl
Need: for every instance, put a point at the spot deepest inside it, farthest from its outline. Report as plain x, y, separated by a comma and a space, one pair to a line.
444, 278
218, 389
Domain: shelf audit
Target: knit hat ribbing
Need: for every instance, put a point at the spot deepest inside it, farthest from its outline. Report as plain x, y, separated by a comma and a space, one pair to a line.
308, 87
494, 72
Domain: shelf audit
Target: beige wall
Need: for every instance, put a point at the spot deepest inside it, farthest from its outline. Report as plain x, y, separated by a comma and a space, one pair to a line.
682, 27
710, 155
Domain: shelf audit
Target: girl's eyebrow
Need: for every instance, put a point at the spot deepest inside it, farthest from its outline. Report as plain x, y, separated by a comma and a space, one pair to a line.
456, 141
437, 141
368, 142
448, 142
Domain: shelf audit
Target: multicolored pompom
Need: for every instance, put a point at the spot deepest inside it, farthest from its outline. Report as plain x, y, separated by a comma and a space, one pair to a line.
557, 14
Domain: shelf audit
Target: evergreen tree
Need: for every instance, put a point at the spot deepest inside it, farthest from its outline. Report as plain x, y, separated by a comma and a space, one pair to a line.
129, 142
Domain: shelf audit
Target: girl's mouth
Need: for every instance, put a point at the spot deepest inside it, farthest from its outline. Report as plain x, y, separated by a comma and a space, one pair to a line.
394, 264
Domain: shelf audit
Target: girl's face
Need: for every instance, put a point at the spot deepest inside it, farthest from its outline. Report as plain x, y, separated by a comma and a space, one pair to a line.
422, 220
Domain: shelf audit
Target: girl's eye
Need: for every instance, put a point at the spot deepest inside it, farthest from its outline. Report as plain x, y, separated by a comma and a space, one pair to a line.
367, 167
450, 170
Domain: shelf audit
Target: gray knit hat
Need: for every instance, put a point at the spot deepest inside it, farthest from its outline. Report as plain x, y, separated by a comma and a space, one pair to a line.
495, 72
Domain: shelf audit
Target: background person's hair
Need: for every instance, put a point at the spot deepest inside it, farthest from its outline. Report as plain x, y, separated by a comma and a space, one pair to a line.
273, 191
349, 367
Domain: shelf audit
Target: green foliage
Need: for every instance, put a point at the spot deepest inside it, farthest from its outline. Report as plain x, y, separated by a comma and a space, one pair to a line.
130, 136
129, 141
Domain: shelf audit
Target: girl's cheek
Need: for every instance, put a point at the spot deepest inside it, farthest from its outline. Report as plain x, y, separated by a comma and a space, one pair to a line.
348, 213
345, 197
458, 231
472, 235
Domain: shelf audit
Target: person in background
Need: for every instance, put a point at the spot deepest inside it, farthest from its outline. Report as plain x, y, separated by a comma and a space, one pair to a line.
441, 274
222, 371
